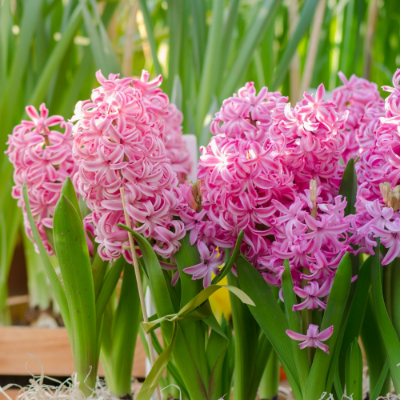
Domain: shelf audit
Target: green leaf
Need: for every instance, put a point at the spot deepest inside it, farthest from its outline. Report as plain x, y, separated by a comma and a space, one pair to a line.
150, 35
294, 321
124, 333
264, 351
68, 191
57, 55
265, 16
388, 333
354, 371
194, 332
151, 382
381, 381
30, 19
348, 187
217, 346
56, 286
357, 309
246, 333
164, 306
108, 287
73, 257
195, 303
208, 75
199, 33
231, 261
305, 18
270, 317
175, 21
374, 350
395, 290
176, 96
333, 315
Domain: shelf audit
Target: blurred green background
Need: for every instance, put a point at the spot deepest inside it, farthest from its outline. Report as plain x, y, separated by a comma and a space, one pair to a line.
205, 50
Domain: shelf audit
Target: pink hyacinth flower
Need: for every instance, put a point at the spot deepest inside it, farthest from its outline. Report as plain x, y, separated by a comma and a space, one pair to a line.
313, 337
210, 262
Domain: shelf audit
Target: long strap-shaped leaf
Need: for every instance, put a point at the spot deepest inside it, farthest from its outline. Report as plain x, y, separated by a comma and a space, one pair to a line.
389, 335
58, 290
317, 379
56, 57
247, 332
30, 19
108, 287
210, 65
194, 332
164, 306
195, 303
73, 257
348, 187
306, 17
231, 261
150, 35
270, 317
151, 381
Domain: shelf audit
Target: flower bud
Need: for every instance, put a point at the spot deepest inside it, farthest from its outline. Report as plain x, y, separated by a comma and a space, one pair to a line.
385, 190
313, 191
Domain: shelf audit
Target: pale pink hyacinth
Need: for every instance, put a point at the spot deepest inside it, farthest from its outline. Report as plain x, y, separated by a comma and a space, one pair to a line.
353, 97
119, 141
42, 158
314, 337
378, 171
255, 176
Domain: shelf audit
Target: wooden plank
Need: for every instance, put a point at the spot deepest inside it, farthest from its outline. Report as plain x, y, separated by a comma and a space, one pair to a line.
49, 346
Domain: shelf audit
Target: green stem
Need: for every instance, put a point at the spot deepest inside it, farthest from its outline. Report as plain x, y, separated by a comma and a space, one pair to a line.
246, 344
395, 302
387, 287
270, 380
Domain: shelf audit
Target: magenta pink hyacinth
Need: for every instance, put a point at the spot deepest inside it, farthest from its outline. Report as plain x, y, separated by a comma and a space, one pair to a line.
42, 158
314, 337
274, 171
120, 141
378, 171
355, 97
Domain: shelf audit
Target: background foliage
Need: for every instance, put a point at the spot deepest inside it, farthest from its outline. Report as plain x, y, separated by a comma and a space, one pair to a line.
205, 50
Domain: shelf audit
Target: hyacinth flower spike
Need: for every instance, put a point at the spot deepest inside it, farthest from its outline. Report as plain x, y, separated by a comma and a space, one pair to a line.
314, 337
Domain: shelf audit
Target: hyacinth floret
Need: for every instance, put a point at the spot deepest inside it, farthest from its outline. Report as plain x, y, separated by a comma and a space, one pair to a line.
354, 96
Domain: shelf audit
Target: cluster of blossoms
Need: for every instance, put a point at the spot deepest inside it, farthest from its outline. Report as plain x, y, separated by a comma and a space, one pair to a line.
378, 170
358, 97
120, 142
255, 176
274, 171
42, 159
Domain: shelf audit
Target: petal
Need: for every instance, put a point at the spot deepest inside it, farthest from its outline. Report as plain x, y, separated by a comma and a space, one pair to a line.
325, 334
295, 335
